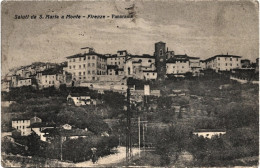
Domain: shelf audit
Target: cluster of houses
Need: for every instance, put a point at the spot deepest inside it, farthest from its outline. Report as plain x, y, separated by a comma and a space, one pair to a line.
109, 72
48, 131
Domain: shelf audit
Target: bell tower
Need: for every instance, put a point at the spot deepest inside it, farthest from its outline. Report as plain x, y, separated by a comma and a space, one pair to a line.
160, 59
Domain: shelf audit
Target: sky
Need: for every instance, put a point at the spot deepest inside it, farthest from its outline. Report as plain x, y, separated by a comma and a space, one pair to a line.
196, 28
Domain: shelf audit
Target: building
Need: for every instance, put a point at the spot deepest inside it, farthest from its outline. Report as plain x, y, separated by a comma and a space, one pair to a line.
223, 62
38, 127
195, 65
87, 66
5, 85
65, 132
150, 75
118, 59
245, 63
137, 65
160, 60
79, 100
209, 133
178, 65
24, 82
23, 124
202, 64
50, 77
114, 70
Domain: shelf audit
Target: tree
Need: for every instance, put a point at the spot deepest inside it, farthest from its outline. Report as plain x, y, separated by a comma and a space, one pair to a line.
33, 144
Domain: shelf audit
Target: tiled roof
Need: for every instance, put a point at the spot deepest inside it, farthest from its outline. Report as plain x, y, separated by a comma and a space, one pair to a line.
228, 56
67, 133
42, 124
86, 54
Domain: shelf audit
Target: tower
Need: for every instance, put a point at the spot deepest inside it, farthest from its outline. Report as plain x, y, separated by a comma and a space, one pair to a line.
160, 60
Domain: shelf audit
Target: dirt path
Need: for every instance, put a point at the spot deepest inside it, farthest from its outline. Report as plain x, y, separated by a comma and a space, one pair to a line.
110, 159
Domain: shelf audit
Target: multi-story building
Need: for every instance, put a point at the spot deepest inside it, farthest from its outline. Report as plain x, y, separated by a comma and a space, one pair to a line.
178, 65
118, 59
24, 82
49, 78
202, 64
136, 65
114, 70
195, 65
223, 62
23, 124
87, 66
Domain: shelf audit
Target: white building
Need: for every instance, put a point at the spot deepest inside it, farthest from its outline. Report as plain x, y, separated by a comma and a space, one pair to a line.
136, 65
223, 62
79, 100
87, 66
209, 133
23, 124
24, 82
178, 65
118, 59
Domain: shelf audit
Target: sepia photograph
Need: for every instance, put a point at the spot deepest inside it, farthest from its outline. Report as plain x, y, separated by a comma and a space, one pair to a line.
149, 83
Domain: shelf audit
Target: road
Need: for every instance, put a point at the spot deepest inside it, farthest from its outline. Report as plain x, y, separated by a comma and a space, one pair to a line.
110, 159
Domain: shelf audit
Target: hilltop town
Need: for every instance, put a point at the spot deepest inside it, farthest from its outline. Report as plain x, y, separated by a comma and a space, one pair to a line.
110, 71
184, 111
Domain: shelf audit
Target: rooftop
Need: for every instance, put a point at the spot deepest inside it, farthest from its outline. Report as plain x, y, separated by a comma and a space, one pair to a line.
64, 132
229, 56
86, 54
41, 124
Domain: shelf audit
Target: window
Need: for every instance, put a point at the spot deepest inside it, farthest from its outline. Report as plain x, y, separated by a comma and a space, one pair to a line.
52, 82
17, 126
88, 57
88, 72
89, 64
230, 64
49, 82
149, 60
182, 66
230, 59
173, 67
70, 67
74, 66
79, 73
84, 65
79, 66
218, 58
46, 81
93, 72
84, 73
79, 77
73, 60
147, 74
79, 59
226, 64
93, 57
93, 64
115, 63
161, 52
237, 59
23, 127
